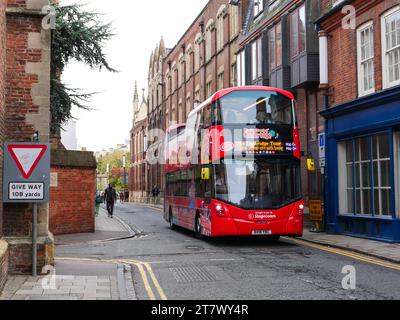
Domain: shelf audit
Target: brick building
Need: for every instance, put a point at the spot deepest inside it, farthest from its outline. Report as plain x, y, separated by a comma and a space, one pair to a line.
361, 73
279, 48
138, 173
156, 117
24, 109
203, 61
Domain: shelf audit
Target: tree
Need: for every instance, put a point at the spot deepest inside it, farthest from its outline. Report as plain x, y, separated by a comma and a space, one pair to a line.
114, 159
79, 35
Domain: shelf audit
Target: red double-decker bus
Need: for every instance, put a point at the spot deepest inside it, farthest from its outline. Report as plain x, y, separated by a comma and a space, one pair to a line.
234, 168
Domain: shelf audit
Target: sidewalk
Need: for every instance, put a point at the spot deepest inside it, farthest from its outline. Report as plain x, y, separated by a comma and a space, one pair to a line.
80, 279
74, 280
107, 229
380, 250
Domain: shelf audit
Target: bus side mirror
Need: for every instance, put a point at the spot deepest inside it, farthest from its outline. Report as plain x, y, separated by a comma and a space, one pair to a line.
205, 174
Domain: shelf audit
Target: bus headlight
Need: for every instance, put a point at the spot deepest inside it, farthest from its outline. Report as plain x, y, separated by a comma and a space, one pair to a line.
220, 210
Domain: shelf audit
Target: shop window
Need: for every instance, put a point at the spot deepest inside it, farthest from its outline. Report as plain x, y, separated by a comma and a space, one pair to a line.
365, 184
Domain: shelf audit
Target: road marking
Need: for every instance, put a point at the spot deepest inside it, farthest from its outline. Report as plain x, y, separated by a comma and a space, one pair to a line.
341, 252
152, 276
142, 267
147, 286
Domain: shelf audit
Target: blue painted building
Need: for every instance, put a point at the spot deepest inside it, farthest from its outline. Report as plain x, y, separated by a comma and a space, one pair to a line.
360, 77
363, 161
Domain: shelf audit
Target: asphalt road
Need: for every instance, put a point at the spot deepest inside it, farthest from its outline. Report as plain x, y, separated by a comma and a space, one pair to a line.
174, 265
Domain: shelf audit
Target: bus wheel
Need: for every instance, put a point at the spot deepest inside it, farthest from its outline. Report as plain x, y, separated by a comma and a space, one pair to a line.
171, 220
199, 227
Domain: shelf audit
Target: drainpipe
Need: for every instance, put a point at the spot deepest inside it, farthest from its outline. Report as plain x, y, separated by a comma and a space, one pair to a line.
324, 87
324, 65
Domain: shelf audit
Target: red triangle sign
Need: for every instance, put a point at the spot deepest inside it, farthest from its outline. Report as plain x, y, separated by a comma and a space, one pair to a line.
27, 157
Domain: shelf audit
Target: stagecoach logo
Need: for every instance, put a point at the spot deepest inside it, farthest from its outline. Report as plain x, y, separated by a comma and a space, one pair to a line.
262, 216
227, 146
265, 134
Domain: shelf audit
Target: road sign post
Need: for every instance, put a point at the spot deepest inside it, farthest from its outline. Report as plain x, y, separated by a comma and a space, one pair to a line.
26, 179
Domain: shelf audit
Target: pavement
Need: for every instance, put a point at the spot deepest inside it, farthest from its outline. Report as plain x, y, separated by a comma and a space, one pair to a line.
80, 279
106, 230
376, 249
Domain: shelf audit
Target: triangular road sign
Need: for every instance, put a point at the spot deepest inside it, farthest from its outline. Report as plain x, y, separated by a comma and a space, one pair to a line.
27, 157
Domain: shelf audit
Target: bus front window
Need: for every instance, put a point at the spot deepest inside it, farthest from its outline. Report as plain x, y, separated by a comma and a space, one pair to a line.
256, 107
258, 184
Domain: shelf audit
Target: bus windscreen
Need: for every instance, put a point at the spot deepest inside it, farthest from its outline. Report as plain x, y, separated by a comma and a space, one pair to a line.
253, 107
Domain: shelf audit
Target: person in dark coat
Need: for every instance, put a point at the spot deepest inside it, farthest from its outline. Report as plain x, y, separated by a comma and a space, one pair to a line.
110, 198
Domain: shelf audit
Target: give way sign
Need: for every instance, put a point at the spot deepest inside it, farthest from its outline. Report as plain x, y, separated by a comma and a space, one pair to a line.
26, 172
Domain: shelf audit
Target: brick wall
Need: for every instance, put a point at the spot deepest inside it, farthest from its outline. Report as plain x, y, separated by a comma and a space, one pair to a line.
27, 109
3, 263
72, 200
2, 101
343, 49
3, 244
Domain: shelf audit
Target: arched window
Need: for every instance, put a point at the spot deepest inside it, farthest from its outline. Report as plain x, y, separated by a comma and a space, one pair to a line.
197, 52
209, 28
220, 27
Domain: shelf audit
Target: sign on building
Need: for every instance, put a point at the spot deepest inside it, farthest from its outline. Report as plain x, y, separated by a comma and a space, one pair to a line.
26, 173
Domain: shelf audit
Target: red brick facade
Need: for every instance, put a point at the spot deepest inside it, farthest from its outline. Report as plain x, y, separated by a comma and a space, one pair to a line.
3, 252
343, 76
24, 109
181, 92
72, 201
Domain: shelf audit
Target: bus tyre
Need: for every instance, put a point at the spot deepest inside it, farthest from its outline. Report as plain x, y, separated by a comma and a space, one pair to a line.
171, 220
199, 227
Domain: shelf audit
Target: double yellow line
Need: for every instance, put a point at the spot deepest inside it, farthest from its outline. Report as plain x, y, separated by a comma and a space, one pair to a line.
351, 255
144, 269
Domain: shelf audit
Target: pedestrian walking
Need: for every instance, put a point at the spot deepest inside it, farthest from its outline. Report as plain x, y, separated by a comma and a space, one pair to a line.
110, 198
156, 191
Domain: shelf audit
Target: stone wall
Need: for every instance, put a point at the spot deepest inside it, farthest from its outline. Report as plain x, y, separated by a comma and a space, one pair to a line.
72, 199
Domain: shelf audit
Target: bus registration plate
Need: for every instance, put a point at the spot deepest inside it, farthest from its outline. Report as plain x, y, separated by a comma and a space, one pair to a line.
262, 232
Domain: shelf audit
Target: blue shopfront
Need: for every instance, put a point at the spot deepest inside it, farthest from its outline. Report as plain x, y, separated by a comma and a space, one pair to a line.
363, 167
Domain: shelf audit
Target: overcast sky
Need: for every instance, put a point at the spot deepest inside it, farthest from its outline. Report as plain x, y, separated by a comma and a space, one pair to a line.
138, 27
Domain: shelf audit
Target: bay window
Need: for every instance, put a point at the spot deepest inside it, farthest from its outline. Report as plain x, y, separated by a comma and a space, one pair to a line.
298, 31
275, 47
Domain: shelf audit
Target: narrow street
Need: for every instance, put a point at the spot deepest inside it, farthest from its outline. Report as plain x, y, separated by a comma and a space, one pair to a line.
174, 265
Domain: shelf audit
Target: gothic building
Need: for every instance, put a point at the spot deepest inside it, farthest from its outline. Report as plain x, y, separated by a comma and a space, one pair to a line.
139, 166
156, 118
